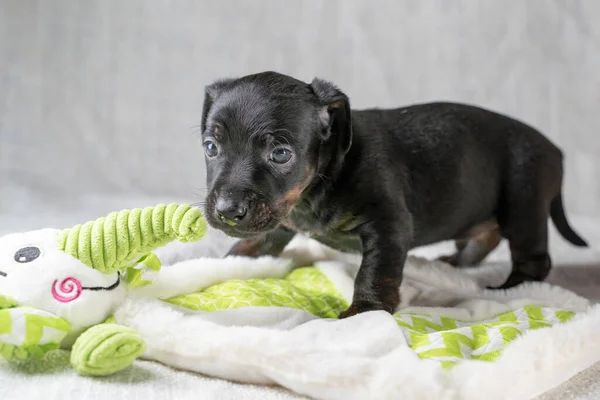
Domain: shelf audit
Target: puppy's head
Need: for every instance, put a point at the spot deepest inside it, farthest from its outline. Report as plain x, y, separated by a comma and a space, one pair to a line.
266, 137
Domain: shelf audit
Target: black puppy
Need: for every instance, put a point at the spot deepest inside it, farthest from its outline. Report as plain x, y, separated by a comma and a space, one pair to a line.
284, 156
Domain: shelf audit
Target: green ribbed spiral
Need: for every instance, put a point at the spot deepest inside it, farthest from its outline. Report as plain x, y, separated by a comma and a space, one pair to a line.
105, 349
112, 243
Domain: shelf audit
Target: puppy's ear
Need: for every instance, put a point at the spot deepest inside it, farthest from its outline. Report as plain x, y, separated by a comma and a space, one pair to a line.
335, 114
211, 92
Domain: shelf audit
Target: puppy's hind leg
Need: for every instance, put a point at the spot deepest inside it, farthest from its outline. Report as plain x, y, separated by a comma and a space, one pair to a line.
526, 228
473, 250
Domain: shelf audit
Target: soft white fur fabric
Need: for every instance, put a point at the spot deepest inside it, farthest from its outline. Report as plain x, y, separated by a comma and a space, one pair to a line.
365, 355
383, 369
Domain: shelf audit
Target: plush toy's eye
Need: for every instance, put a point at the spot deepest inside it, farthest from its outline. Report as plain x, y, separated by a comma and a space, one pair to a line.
27, 254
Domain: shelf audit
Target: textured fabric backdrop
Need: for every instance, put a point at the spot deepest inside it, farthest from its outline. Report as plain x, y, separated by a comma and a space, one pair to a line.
101, 97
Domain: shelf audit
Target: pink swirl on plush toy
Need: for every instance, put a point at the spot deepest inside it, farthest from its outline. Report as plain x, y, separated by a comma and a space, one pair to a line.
67, 291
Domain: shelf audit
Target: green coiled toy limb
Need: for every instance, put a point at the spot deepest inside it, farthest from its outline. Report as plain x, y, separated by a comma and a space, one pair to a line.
112, 243
105, 349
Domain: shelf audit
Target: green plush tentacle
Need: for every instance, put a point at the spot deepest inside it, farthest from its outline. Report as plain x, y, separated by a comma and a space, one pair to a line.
105, 349
114, 242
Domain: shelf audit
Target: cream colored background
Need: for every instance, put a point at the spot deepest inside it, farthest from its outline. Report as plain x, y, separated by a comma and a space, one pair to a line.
99, 97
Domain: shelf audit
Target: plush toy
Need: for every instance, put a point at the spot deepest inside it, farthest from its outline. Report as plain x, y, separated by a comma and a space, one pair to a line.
55, 285
98, 290
61, 289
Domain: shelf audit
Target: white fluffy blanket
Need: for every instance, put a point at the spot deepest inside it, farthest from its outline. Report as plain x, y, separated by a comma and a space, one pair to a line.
366, 356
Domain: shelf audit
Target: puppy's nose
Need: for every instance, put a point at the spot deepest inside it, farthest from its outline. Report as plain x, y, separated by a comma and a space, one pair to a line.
230, 211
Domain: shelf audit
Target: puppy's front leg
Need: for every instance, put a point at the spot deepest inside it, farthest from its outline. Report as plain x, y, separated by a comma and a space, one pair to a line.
271, 244
377, 284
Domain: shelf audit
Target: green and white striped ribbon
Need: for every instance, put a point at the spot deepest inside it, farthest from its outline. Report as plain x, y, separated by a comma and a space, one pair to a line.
26, 331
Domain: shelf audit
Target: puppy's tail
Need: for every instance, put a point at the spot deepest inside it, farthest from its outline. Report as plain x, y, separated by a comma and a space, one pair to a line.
557, 213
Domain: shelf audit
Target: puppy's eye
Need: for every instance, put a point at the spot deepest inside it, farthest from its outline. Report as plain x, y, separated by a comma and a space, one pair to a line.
27, 254
211, 149
280, 155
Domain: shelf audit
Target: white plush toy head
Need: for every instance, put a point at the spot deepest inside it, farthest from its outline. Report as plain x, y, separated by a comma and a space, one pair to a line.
78, 274
35, 273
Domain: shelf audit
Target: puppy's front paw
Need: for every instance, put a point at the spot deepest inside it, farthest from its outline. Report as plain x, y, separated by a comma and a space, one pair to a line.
361, 307
350, 312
